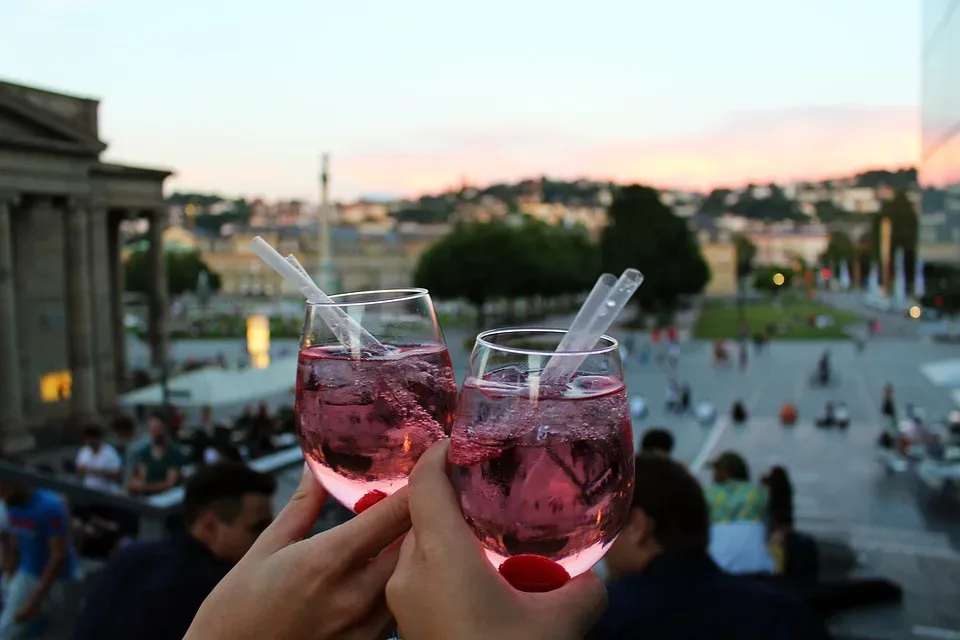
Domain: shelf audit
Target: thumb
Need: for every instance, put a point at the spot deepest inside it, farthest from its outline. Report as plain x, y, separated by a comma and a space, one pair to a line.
296, 519
578, 605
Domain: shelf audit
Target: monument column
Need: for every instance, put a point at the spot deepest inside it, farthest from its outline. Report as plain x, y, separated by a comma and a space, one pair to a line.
11, 401
159, 300
79, 317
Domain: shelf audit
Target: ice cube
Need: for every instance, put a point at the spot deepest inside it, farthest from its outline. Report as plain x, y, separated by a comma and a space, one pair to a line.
333, 373
358, 393
507, 375
590, 386
382, 351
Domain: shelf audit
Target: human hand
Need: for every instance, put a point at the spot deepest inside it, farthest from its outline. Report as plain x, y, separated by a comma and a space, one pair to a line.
444, 586
327, 586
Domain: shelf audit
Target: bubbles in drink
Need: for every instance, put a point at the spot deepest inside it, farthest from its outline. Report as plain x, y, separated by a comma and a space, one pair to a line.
363, 423
552, 477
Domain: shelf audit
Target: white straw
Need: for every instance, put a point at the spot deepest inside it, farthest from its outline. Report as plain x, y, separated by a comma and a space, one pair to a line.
346, 330
560, 367
601, 290
292, 259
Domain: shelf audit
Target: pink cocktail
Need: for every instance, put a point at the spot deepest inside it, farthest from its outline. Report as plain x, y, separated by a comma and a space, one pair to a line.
540, 467
364, 417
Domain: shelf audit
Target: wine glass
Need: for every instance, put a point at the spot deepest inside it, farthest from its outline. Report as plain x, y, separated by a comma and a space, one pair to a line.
543, 468
364, 416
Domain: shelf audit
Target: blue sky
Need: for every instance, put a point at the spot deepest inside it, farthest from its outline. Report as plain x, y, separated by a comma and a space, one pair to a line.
241, 96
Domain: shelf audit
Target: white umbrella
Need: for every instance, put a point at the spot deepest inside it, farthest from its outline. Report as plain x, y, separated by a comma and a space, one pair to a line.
217, 387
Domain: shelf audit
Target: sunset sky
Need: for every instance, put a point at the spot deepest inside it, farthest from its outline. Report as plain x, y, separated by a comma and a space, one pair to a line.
241, 97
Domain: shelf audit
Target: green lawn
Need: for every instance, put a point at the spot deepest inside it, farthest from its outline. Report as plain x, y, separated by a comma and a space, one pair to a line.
721, 319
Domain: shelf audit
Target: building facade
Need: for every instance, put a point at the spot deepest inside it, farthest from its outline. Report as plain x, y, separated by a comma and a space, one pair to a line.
940, 158
362, 259
62, 341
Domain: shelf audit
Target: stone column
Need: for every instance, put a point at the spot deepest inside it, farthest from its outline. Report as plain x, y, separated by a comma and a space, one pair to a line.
79, 317
118, 287
159, 300
102, 305
11, 400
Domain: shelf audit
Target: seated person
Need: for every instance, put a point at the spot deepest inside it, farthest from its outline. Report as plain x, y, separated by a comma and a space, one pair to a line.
842, 415
152, 590
796, 554
829, 418
915, 413
720, 353
738, 518
158, 467
658, 441
663, 584
823, 371
673, 397
788, 413
738, 413
98, 464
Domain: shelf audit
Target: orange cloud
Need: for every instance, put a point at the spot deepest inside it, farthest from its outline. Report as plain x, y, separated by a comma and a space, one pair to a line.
750, 147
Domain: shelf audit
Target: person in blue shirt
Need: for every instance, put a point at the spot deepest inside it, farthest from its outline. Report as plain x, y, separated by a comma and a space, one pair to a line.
664, 584
39, 526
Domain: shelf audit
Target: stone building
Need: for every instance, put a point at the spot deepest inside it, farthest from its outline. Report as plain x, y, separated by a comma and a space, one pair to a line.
362, 259
62, 342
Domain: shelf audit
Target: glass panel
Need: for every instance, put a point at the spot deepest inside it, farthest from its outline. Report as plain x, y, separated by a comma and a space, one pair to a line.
940, 90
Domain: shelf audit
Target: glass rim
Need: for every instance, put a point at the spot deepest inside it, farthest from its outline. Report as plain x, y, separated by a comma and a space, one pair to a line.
613, 345
390, 295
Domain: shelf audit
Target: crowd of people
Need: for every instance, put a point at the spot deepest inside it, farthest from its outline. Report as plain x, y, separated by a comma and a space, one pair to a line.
232, 574
42, 535
751, 523
232, 571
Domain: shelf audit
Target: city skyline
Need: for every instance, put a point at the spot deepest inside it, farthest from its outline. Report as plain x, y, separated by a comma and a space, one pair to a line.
416, 98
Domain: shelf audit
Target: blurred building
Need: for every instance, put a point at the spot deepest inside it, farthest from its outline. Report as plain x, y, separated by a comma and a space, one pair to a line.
783, 246
719, 252
363, 212
721, 256
940, 158
365, 257
62, 340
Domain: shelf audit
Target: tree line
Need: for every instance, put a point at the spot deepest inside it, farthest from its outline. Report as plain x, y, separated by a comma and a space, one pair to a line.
522, 258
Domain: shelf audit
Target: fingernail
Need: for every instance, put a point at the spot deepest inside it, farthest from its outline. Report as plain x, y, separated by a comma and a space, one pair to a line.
533, 573
368, 500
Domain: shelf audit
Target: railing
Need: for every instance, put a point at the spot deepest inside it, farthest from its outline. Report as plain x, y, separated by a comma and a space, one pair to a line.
154, 511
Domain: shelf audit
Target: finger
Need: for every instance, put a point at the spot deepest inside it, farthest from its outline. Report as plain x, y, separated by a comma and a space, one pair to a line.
296, 519
434, 508
366, 534
372, 577
579, 603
